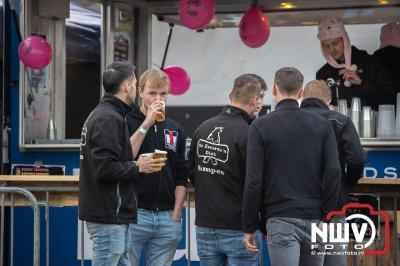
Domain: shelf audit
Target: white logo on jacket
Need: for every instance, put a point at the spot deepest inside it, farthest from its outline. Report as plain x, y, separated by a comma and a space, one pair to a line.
171, 139
211, 148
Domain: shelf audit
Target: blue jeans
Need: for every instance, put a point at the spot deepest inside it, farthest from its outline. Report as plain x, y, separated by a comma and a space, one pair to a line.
110, 244
158, 234
289, 242
220, 247
336, 260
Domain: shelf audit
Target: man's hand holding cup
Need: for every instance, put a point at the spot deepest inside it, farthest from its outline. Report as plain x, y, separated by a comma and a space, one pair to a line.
148, 164
155, 112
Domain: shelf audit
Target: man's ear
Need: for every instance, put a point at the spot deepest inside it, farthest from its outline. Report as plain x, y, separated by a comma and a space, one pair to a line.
329, 102
274, 90
126, 88
300, 94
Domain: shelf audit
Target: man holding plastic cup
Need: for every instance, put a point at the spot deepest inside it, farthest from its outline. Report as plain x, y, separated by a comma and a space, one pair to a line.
161, 194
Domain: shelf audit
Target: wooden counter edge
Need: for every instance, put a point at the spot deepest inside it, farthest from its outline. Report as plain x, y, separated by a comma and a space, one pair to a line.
379, 181
70, 178
39, 178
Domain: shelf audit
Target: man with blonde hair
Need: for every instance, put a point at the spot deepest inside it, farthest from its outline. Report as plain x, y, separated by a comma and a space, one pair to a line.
160, 195
217, 160
317, 97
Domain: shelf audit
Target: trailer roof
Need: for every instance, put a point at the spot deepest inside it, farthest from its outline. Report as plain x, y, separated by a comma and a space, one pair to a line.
287, 13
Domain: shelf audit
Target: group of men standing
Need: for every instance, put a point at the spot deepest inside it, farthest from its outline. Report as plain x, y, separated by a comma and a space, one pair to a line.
290, 167
255, 178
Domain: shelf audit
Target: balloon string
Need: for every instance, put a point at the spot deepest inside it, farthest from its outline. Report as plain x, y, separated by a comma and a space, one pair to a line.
19, 36
15, 19
171, 26
254, 3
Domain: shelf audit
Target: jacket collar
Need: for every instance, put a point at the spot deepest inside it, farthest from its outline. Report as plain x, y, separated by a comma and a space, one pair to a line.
287, 104
136, 113
229, 109
121, 107
313, 103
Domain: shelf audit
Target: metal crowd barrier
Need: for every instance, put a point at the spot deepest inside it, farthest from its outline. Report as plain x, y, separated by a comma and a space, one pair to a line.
36, 223
389, 201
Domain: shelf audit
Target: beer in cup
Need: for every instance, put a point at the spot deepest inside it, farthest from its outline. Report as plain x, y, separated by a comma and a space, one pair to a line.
150, 154
161, 117
157, 155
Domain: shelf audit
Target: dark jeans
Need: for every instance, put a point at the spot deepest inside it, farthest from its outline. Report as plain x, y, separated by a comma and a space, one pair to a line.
289, 242
224, 247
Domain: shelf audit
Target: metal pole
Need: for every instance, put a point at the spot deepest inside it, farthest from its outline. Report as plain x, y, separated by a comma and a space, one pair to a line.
188, 227
47, 218
36, 220
171, 26
337, 94
12, 230
396, 240
2, 230
82, 243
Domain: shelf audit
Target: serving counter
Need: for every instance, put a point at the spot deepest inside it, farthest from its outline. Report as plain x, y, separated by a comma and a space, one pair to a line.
53, 191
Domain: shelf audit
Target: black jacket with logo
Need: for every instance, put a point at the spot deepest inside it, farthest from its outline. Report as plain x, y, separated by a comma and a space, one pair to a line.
376, 87
351, 153
107, 170
292, 163
156, 191
217, 160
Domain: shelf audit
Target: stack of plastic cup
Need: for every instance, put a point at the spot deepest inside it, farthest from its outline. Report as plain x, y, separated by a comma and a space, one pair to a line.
398, 116
342, 104
386, 122
368, 123
355, 114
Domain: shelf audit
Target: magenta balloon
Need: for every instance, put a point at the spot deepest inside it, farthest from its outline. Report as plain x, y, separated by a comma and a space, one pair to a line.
196, 14
35, 52
254, 28
179, 78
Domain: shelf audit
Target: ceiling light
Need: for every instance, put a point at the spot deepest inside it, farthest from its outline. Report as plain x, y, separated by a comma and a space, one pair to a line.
287, 5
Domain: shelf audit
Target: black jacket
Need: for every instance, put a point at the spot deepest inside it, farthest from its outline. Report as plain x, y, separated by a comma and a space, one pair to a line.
351, 154
376, 87
107, 172
292, 159
390, 59
156, 191
218, 165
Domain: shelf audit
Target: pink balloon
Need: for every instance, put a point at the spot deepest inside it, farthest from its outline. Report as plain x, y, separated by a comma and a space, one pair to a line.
196, 14
179, 78
254, 28
35, 52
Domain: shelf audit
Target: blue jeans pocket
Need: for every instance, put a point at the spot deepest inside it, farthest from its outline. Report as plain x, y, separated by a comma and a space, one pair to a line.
176, 226
107, 238
201, 241
280, 233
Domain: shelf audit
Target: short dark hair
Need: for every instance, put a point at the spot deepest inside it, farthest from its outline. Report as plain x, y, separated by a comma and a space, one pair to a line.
289, 80
116, 74
245, 87
262, 82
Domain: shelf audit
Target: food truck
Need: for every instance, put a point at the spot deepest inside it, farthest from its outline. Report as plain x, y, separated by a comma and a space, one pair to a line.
43, 109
